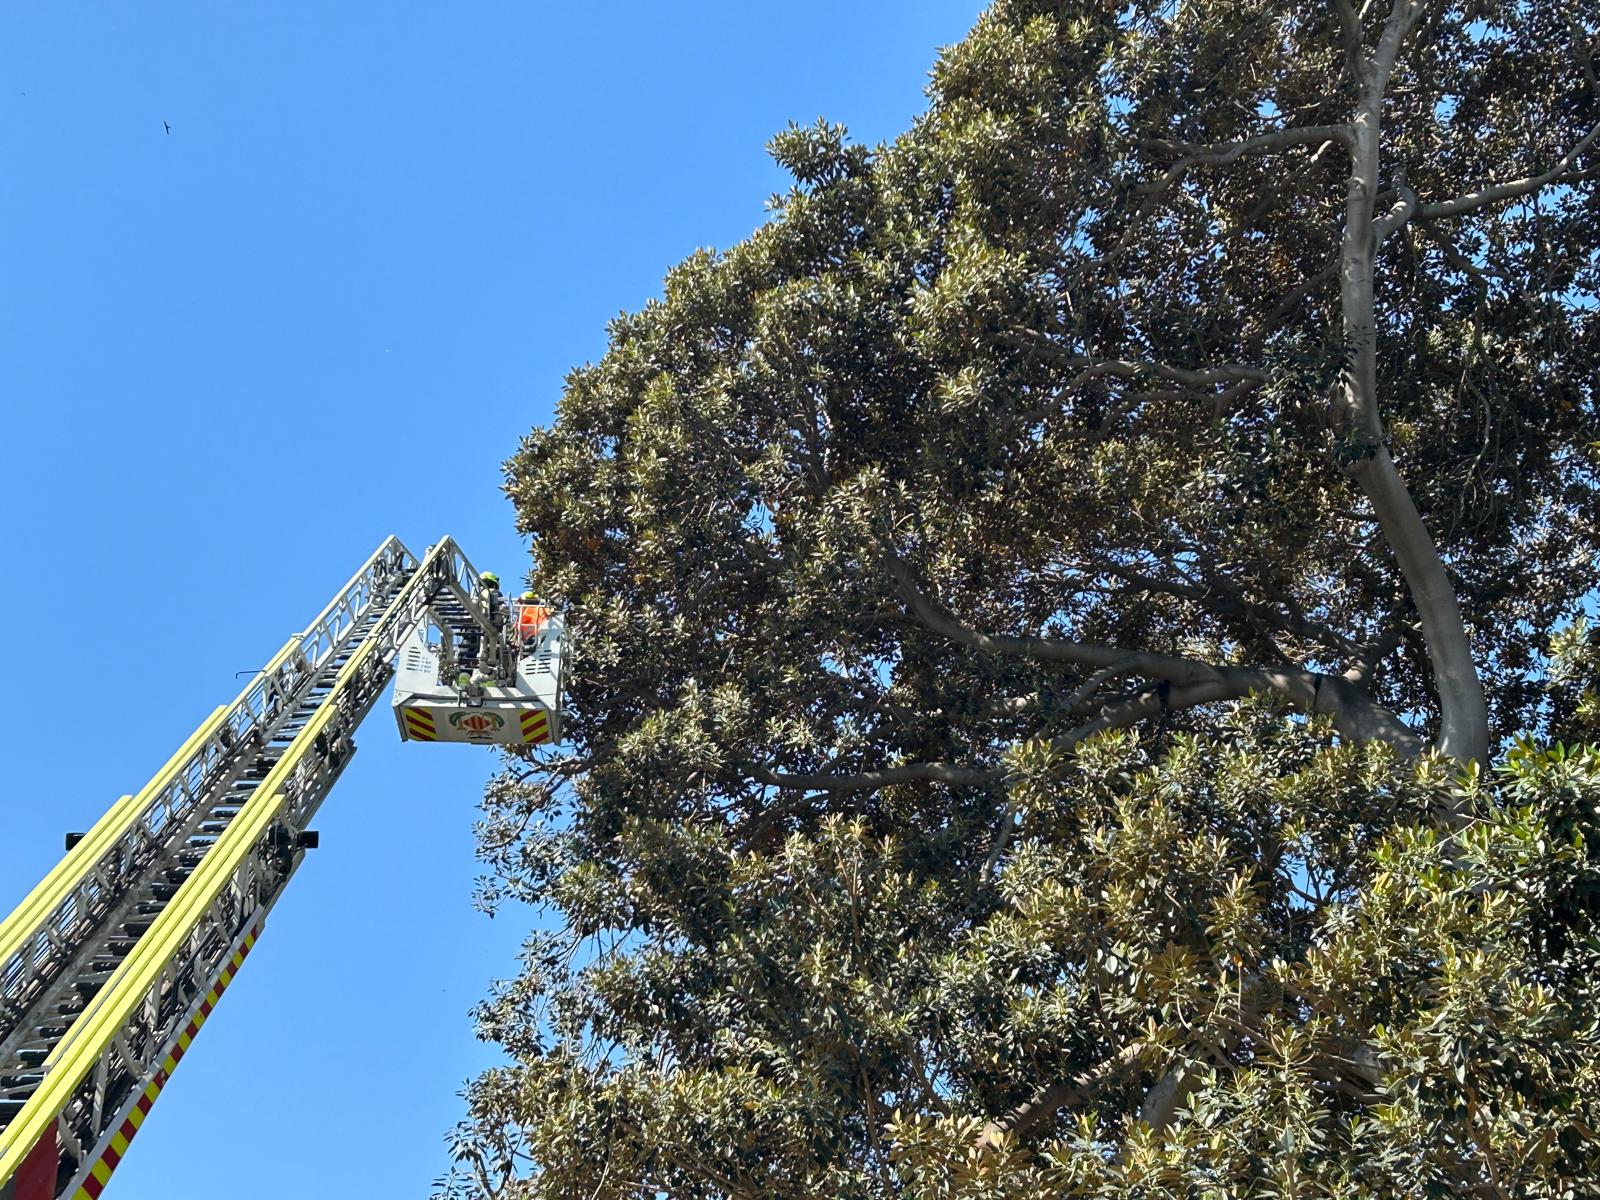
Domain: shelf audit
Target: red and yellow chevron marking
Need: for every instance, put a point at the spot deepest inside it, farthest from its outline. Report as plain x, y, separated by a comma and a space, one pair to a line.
419, 724
535, 727
100, 1173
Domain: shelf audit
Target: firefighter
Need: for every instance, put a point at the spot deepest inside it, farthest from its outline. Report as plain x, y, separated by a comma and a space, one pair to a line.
489, 595
529, 622
472, 658
485, 658
494, 603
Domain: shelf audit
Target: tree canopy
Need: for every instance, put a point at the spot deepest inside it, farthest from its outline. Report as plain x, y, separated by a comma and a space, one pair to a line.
1079, 686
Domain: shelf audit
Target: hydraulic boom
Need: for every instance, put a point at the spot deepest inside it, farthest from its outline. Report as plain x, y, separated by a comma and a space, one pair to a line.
111, 965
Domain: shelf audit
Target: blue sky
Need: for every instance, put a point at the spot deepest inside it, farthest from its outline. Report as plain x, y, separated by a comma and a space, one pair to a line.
322, 309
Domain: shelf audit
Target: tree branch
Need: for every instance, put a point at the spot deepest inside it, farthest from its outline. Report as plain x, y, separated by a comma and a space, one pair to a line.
1184, 683
1513, 188
1208, 597
1270, 323
1057, 1096
1163, 1099
1480, 276
1238, 376
1261, 143
1366, 661
1403, 209
1355, 715
1402, 16
930, 772
1089, 367
1464, 725
1463, 717
1050, 649
1086, 690
1277, 188
1349, 36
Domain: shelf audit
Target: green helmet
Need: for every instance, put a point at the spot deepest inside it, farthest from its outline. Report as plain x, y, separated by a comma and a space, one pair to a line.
489, 579
528, 597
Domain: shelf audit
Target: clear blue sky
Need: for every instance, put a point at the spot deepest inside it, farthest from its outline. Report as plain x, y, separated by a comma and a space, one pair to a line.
233, 358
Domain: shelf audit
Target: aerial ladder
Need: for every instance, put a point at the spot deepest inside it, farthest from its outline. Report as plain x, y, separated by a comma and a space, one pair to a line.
113, 963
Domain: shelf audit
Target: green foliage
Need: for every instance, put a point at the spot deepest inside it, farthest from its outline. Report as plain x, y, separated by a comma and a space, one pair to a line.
1575, 676
1355, 1003
993, 759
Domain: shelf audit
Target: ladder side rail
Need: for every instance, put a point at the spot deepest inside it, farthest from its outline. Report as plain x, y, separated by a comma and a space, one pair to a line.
38, 1028
264, 701
325, 635
459, 578
459, 584
110, 1106
160, 810
63, 909
228, 874
103, 1119
37, 1025
390, 559
139, 1050
47, 920
146, 1082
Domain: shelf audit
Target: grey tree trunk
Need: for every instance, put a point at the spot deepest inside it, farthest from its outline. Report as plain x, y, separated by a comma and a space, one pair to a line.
1464, 721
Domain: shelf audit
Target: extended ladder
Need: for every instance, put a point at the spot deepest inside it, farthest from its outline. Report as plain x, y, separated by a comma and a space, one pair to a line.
114, 961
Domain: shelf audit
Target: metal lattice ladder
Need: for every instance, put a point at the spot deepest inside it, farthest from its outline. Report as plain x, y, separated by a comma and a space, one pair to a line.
113, 962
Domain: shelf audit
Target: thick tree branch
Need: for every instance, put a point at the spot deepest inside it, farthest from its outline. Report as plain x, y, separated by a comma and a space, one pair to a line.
1402, 16
1089, 367
1354, 714
1190, 377
1513, 188
1213, 599
1075, 703
1464, 725
1192, 682
1152, 703
1053, 1099
931, 772
1403, 209
1349, 36
1240, 379
1086, 654
1011, 706
1086, 690
1464, 719
1163, 1099
1366, 661
1261, 143
1184, 683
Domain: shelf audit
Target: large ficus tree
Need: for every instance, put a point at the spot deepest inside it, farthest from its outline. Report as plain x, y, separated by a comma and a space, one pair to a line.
1064, 699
